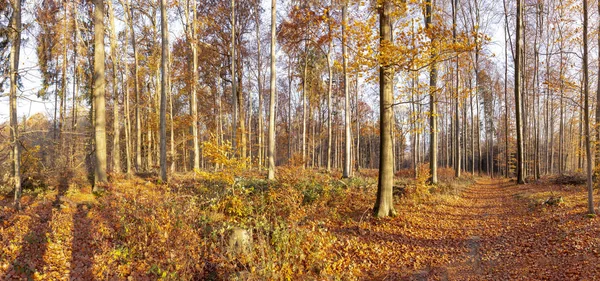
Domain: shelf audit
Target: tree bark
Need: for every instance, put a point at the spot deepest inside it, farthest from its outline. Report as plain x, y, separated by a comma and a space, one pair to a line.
347, 124
518, 61
163, 90
260, 89
116, 149
433, 133
384, 206
586, 108
457, 156
271, 173
329, 91
98, 93
15, 38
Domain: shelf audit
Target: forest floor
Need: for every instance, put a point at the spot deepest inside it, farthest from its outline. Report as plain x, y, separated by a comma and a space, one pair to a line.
318, 228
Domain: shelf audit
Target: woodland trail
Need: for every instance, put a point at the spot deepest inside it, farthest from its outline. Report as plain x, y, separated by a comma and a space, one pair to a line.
508, 237
492, 231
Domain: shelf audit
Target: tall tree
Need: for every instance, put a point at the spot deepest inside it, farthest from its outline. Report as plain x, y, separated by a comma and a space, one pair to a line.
518, 114
193, 94
456, 142
98, 93
433, 134
347, 124
329, 86
15, 39
164, 60
586, 109
116, 149
273, 90
384, 206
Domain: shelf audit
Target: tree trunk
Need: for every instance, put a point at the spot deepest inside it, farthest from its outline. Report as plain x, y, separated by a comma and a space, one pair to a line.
456, 108
116, 149
126, 110
271, 174
329, 92
433, 134
15, 39
384, 206
194, 108
586, 108
98, 92
163, 90
260, 89
347, 123
518, 60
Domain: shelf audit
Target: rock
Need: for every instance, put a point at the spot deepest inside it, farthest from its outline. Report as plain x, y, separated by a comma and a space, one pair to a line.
240, 240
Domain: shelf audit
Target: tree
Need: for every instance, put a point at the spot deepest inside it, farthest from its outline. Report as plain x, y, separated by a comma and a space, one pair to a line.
163, 90
347, 111
586, 109
193, 95
433, 142
116, 149
456, 141
517, 89
15, 39
384, 206
98, 93
273, 90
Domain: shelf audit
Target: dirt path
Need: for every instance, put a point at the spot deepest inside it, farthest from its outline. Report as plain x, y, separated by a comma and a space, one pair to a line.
491, 232
516, 239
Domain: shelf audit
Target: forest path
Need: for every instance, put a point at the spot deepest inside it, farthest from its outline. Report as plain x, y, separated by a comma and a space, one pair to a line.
493, 230
518, 237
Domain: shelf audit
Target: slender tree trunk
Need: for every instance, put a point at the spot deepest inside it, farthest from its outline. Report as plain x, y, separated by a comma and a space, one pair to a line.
63, 94
15, 39
506, 150
195, 157
357, 114
433, 134
260, 89
586, 108
384, 206
233, 82
164, 73
347, 123
116, 149
456, 108
304, 100
126, 109
518, 60
329, 93
597, 125
271, 174
99, 91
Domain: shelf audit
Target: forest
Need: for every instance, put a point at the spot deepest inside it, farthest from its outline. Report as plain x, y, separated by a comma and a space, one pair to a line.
299, 140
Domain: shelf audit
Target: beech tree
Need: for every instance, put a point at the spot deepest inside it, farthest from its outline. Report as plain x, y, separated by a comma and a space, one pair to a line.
99, 98
273, 90
15, 39
384, 206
